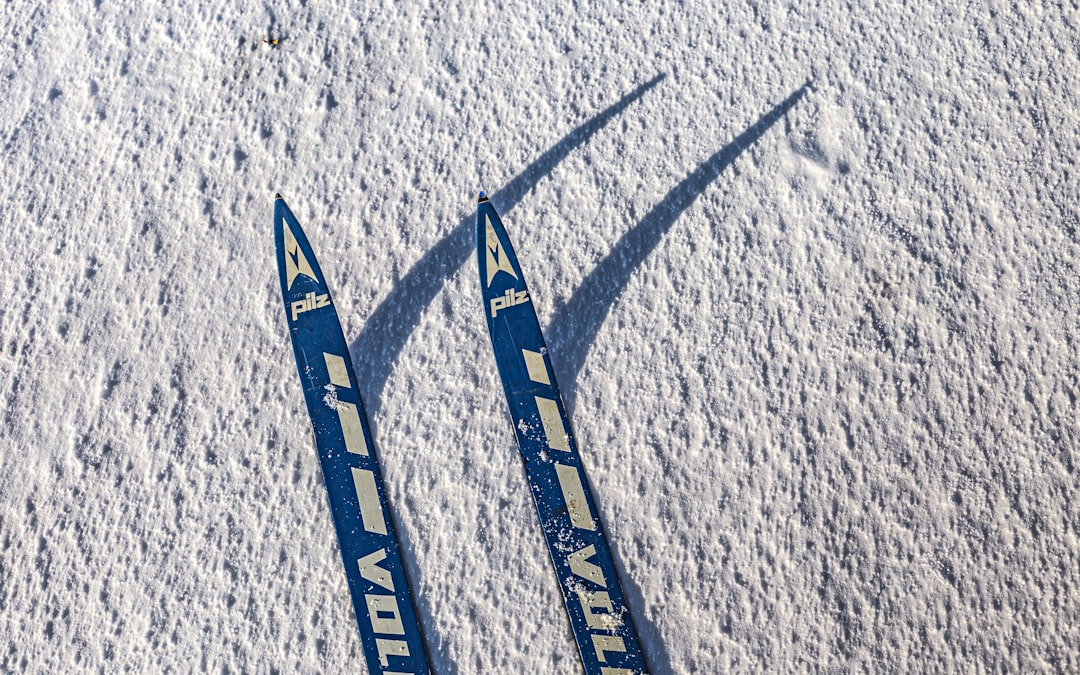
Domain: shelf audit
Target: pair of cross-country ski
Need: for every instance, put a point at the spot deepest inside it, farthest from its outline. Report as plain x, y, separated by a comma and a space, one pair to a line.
390, 630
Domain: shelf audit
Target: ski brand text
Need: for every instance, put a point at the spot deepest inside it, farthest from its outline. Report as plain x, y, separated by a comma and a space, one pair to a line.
311, 301
509, 299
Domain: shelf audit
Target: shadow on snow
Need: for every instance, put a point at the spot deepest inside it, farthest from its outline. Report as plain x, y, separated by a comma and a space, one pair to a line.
575, 325
393, 321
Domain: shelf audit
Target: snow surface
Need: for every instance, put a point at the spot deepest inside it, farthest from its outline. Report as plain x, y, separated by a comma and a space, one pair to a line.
821, 356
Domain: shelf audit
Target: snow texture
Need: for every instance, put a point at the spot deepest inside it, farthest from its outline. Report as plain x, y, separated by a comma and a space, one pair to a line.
808, 273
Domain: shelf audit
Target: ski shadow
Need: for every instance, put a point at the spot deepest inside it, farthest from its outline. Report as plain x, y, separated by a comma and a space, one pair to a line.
385, 332
435, 647
574, 325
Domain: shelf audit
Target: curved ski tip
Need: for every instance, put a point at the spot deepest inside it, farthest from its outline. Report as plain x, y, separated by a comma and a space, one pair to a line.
482, 198
276, 196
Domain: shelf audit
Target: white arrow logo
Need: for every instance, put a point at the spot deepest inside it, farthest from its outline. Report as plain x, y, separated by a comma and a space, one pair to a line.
295, 262
496, 259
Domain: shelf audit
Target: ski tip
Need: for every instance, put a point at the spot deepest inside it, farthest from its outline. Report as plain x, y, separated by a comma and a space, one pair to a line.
482, 198
276, 196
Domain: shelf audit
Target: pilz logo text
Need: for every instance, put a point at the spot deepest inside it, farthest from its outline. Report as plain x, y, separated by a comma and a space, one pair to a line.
310, 302
508, 299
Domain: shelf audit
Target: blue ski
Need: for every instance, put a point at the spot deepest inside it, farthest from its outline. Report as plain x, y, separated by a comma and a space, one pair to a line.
595, 603
385, 613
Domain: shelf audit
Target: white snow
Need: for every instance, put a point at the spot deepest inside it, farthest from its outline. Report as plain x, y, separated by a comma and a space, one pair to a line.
824, 372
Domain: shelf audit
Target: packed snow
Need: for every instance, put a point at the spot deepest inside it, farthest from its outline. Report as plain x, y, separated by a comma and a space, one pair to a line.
808, 273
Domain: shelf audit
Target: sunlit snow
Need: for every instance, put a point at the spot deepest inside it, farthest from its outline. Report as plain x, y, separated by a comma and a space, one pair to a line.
808, 273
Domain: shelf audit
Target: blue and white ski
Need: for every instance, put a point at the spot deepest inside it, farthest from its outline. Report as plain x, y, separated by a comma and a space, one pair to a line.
385, 613
595, 603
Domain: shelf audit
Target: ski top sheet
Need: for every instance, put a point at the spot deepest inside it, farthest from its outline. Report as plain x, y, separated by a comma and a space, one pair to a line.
385, 613
594, 599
